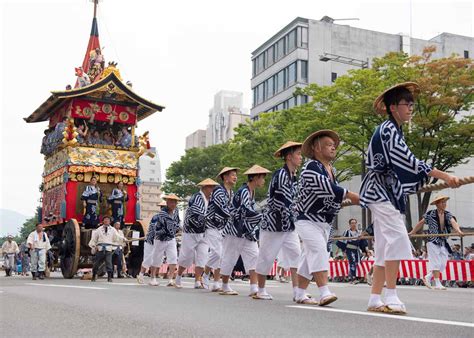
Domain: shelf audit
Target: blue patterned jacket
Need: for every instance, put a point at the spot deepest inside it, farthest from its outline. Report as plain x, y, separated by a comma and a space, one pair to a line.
392, 169
319, 197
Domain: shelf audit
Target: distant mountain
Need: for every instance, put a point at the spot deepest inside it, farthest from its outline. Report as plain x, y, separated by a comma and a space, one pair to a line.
11, 222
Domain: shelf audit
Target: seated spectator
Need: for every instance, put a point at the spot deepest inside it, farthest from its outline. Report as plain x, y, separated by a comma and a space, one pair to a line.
124, 139
457, 254
82, 130
107, 138
470, 253
95, 138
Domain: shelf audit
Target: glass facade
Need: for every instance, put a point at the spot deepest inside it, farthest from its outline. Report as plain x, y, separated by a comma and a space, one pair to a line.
290, 103
297, 37
282, 80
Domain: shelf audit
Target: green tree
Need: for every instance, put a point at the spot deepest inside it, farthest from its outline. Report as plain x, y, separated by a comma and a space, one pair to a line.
438, 134
196, 165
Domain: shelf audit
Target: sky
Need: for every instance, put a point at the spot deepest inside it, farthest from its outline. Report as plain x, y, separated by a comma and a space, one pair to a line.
176, 53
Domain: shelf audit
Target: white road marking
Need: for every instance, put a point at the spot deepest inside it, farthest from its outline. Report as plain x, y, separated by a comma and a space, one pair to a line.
68, 286
372, 314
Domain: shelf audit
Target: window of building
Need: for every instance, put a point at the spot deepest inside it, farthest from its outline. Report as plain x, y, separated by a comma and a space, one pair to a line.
152, 162
260, 93
254, 68
333, 77
254, 103
466, 54
260, 63
304, 71
281, 106
304, 37
269, 88
292, 41
152, 171
292, 74
270, 56
280, 49
280, 81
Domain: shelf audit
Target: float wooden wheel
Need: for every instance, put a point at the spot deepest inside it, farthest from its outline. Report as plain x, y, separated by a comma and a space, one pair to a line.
70, 248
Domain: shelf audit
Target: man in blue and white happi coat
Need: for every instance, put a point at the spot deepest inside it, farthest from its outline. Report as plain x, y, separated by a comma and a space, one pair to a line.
240, 235
277, 233
219, 214
318, 202
166, 224
194, 246
440, 221
393, 172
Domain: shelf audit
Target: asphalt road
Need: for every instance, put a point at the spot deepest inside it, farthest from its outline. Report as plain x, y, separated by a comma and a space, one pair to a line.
65, 308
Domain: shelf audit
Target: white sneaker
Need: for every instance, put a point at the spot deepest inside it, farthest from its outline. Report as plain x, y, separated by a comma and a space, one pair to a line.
140, 279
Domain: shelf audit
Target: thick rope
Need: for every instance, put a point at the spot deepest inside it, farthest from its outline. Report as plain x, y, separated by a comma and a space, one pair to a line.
411, 236
430, 187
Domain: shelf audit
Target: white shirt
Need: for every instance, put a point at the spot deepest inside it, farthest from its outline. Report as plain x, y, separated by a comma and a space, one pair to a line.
109, 238
37, 242
10, 247
120, 240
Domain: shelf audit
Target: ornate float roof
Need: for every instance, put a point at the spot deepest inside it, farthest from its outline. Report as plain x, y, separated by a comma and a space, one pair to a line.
108, 89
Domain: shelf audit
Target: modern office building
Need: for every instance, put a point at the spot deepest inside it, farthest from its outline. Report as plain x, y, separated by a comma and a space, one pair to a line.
150, 187
318, 51
196, 139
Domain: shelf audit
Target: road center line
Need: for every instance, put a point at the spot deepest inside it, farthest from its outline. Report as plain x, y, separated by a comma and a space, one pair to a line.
413, 319
68, 286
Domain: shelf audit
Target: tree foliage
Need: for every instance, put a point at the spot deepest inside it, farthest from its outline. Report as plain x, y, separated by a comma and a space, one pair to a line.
441, 132
196, 165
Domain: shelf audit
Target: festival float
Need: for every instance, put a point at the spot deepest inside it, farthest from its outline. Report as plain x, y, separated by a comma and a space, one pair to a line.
91, 133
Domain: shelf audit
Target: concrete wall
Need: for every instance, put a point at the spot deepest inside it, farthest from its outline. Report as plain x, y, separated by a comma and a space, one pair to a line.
150, 168
196, 139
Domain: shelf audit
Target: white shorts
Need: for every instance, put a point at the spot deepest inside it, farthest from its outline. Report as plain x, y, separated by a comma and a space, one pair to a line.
194, 248
282, 260
271, 243
147, 255
233, 247
438, 256
315, 255
390, 234
214, 239
162, 247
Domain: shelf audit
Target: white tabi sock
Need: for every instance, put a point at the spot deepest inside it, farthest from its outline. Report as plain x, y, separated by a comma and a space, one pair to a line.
141, 274
262, 291
295, 291
428, 277
178, 279
375, 300
391, 297
324, 291
300, 293
205, 275
253, 288
226, 287
437, 282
